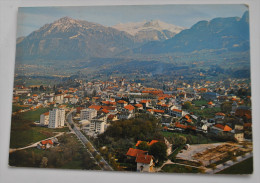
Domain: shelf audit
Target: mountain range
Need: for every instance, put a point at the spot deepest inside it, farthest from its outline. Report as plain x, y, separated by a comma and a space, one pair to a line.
226, 34
154, 30
70, 39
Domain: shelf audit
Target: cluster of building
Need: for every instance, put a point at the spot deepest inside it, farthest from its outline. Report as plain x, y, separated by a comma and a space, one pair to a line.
102, 102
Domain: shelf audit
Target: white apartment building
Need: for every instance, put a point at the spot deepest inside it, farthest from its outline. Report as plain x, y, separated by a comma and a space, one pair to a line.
44, 119
56, 118
97, 126
87, 114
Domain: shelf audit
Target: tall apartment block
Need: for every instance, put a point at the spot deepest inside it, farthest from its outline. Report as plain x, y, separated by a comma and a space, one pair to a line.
56, 118
87, 114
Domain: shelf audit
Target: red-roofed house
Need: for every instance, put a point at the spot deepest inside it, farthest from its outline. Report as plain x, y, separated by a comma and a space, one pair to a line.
143, 160
139, 106
105, 111
45, 144
97, 107
44, 119
225, 128
129, 108
220, 115
176, 112
145, 103
158, 111
218, 128
135, 152
244, 113
144, 163
121, 103
112, 117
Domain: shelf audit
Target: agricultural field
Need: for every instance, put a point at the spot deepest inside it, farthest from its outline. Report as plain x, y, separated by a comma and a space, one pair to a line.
25, 132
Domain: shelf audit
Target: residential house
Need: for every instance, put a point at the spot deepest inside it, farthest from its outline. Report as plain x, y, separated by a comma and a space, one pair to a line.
176, 112
44, 119
220, 115
45, 144
144, 162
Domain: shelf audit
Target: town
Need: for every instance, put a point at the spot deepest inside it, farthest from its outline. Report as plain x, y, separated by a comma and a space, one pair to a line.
119, 124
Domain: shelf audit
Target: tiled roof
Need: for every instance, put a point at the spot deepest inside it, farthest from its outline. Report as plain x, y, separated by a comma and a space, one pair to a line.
45, 114
138, 105
143, 158
210, 103
225, 128
108, 108
158, 111
138, 142
135, 152
121, 102
105, 111
220, 114
111, 116
97, 107
46, 142
153, 142
177, 110
129, 107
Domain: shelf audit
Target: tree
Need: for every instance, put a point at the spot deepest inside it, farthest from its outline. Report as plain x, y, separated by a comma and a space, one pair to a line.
182, 140
98, 157
41, 88
187, 105
44, 162
72, 126
143, 146
226, 107
178, 140
159, 151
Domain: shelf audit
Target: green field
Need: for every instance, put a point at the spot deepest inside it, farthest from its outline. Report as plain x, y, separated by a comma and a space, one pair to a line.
191, 138
199, 103
25, 132
244, 167
34, 115
207, 112
17, 108
70, 154
173, 168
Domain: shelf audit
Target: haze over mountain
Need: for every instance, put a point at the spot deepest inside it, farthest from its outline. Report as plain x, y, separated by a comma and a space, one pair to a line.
154, 30
67, 39
226, 34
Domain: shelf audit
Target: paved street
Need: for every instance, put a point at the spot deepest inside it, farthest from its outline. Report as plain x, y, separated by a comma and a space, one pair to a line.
84, 141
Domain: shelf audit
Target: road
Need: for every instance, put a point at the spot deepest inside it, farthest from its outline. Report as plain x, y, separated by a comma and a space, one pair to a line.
84, 141
34, 144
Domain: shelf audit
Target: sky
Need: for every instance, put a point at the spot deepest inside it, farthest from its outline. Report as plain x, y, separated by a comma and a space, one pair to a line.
30, 19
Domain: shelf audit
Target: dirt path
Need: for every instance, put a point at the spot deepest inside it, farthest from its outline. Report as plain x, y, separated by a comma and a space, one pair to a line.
34, 144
